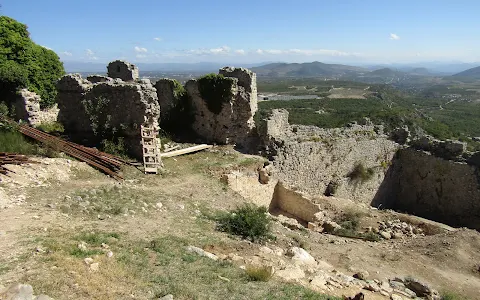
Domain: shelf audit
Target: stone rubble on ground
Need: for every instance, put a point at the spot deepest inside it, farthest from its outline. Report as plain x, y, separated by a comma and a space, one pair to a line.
18, 291
201, 252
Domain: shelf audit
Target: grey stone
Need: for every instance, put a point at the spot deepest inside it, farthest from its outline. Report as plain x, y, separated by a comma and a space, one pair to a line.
386, 235
234, 124
43, 297
18, 291
419, 288
330, 226
111, 106
362, 275
202, 252
123, 70
166, 297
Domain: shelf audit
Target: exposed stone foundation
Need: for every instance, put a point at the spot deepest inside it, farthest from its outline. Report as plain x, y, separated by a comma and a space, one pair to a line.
320, 161
432, 187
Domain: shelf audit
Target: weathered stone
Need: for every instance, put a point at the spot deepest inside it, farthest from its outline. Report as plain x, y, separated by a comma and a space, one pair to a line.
400, 135
93, 111
386, 235
330, 226
202, 252
420, 288
395, 297
43, 297
264, 173
234, 123
291, 273
362, 275
166, 96
18, 291
94, 267
166, 297
300, 255
88, 261
27, 108
123, 70
317, 159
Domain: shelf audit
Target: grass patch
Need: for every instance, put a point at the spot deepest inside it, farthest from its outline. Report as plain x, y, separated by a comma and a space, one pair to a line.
452, 296
248, 221
259, 273
360, 173
51, 127
111, 200
14, 142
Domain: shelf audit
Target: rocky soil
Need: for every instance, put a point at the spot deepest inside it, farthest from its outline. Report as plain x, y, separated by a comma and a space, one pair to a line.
50, 210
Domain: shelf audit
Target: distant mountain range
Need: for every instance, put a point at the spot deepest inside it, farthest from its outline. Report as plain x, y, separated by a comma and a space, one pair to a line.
473, 73
310, 69
73, 66
306, 69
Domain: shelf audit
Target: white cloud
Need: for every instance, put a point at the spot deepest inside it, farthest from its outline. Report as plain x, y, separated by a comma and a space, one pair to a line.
394, 37
140, 49
240, 51
91, 54
66, 53
213, 51
307, 52
158, 39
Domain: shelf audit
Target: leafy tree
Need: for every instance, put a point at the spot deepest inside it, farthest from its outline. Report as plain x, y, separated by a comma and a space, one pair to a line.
26, 64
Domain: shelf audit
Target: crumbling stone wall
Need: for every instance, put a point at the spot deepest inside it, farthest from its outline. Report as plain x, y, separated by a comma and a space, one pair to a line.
320, 161
123, 70
107, 108
27, 108
233, 123
432, 187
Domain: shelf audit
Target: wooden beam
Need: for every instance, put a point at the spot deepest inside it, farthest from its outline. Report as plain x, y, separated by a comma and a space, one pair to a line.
186, 150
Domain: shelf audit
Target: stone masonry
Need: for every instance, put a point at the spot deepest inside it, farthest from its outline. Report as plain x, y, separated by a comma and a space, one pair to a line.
234, 124
107, 107
315, 159
27, 108
123, 70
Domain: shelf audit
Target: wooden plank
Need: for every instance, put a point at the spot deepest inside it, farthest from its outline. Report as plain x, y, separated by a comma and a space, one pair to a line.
171, 148
186, 150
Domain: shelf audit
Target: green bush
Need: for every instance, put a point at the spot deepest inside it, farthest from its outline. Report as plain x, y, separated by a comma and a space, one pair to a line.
51, 127
361, 173
249, 221
215, 90
14, 142
259, 273
26, 64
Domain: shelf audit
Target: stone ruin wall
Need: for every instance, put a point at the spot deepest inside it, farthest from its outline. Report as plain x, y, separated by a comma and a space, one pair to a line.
108, 104
234, 124
432, 187
312, 158
27, 109
434, 179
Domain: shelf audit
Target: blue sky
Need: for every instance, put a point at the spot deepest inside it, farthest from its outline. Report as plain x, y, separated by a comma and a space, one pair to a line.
253, 31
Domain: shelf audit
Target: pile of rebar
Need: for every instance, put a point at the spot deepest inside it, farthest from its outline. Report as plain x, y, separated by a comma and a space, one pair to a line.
107, 163
11, 159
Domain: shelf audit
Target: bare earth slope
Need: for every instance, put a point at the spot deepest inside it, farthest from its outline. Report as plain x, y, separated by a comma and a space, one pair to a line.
136, 233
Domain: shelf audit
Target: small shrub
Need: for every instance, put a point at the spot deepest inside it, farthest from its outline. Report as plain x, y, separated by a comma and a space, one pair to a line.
52, 127
114, 147
451, 296
14, 142
249, 221
259, 273
215, 90
361, 173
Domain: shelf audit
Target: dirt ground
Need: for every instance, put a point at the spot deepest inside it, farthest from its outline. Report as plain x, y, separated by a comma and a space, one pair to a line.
48, 209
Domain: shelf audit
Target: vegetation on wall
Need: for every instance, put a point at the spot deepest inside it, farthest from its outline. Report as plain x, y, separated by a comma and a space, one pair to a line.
215, 90
24, 64
360, 173
181, 114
